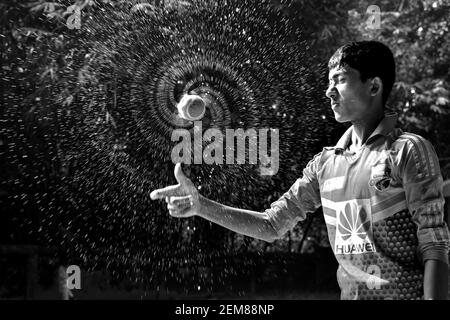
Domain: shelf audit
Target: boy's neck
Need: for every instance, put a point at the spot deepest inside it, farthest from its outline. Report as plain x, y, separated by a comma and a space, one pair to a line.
363, 128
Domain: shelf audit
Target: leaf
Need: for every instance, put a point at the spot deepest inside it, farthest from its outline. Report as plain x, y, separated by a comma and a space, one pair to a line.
54, 14
437, 109
442, 101
38, 7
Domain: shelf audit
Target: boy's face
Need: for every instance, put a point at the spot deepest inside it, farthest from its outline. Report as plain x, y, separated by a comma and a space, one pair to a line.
349, 96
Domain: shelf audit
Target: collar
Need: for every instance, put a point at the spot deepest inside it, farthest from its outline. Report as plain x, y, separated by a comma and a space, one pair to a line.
386, 126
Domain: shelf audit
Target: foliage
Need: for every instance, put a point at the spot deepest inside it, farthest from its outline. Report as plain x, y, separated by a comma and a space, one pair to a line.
417, 33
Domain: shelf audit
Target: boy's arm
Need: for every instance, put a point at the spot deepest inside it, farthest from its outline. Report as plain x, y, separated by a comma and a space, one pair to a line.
435, 282
184, 200
247, 222
422, 182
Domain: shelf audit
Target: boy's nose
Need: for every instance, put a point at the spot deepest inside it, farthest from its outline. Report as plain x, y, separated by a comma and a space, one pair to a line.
331, 92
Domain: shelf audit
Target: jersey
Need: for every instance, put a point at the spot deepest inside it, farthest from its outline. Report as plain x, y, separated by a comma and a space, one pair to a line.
383, 207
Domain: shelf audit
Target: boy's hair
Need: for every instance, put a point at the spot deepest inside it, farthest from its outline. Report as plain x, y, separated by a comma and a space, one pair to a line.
371, 59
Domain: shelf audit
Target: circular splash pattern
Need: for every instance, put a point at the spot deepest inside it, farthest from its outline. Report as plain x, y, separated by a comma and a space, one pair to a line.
240, 55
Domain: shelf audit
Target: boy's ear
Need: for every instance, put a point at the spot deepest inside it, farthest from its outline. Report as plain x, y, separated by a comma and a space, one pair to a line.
376, 86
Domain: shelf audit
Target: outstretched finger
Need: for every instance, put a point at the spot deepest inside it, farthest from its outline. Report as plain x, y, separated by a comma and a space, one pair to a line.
178, 207
178, 213
164, 192
181, 200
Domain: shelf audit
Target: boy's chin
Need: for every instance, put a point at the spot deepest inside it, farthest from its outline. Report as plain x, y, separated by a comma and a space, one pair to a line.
339, 118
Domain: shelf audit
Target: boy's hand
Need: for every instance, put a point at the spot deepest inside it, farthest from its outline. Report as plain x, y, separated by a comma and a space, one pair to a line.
182, 199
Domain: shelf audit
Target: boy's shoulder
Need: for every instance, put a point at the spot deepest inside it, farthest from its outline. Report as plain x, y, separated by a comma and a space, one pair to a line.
411, 144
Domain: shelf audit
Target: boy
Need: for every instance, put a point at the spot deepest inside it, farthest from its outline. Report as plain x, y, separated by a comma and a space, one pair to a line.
380, 189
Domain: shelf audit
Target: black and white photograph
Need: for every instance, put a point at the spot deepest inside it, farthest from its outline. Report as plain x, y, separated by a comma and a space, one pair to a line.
199, 151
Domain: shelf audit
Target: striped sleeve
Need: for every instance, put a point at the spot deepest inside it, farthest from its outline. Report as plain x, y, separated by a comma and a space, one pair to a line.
422, 181
303, 197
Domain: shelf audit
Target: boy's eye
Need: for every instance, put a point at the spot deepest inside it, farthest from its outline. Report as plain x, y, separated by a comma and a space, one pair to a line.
337, 80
